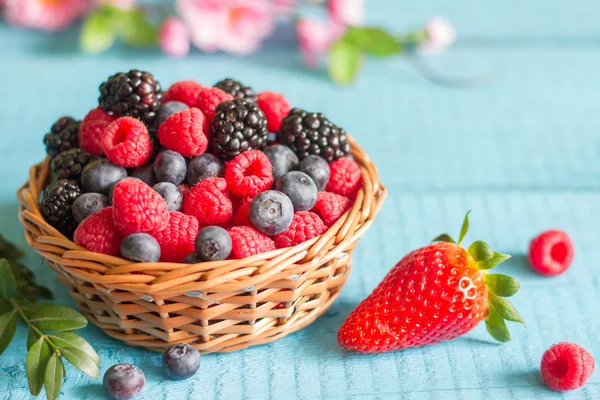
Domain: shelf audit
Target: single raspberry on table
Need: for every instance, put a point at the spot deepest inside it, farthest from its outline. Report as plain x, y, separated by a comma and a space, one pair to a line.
305, 226
184, 91
126, 142
177, 239
209, 99
91, 129
276, 108
138, 208
249, 173
247, 241
185, 133
566, 366
345, 178
97, 233
330, 207
551, 252
209, 202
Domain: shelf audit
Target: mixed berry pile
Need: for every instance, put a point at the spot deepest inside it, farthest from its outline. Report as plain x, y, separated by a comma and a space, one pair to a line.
195, 173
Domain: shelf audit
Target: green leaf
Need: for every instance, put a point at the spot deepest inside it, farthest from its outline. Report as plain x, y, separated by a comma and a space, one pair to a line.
98, 33
27, 288
504, 308
8, 326
135, 28
54, 376
81, 361
496, 259
464, 228
481, 251
8, 286
373, 41
37, 360
8, 250
502, 285
70, 339
444, 237
496, 327
344, 61
32, 337
55, 318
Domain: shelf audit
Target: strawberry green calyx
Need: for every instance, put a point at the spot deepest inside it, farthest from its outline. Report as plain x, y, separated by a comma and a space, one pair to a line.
499, 286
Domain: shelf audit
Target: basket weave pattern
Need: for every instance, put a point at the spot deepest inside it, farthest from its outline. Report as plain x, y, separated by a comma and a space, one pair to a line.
217, 306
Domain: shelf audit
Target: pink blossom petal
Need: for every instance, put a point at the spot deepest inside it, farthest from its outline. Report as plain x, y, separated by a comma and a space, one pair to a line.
44, 15
173, 37
441, 35
347, 12
315, 37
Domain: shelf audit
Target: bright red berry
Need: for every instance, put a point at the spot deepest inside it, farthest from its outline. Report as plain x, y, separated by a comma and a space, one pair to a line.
436, 293
275, 106
209, 202
138, 208
97, 233
242, 214
249, 174
177, 239
305, 226
209, 99
566, 366
126, 142
330, 207
184, 189
345, 178
247, 241
184, 91
184, 132
551, 253
91, 129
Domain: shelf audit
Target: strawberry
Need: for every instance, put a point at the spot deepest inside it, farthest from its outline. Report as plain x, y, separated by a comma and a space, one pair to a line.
436, 293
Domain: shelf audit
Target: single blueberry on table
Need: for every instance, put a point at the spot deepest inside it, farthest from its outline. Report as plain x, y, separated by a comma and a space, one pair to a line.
171, 194
124, 381
213, 243
317, 168
300, 188
168, 109
181, 361
283, 160
170, 166
98, 176
88, 204
202, 167
271, 212
140, 247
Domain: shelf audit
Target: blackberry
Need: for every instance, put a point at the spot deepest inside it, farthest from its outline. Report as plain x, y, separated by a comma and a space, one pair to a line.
57, 204
62, 136
237, 89
70, 163
238, 125
135, 94
312, 133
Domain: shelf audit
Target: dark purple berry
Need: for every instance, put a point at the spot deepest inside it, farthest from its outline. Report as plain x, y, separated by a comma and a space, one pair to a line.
124, 381
300, 188
283, 160
271, 212
168, 109
98, 176
170, 166
145, 174
192, 258
202, 167
181, 361
88, 204
171, 194
213, 243
317, 168
140, 247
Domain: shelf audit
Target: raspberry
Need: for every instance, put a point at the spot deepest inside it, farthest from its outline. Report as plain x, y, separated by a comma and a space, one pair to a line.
184, 189
97, 233
247, 241
177, 239
566, 366
241, 216
330, 207
209, 99
275, 107
138, 208
305, 225
184, 132
249, 173
345, 178
551, 253
126, 142
91, 129
209, 202
184, 91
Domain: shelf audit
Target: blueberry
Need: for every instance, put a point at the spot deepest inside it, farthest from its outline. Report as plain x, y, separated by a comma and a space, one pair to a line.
98, 176
145, 174
140, 247
317, 168
300, 188
192, 258
181, 361
202, 167
168, 109
213, 243
282, 158
271, 212
171, 194
88, 204
124, 381
170, 166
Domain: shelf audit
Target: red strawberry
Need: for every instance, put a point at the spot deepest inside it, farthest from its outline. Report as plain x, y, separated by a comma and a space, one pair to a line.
435, 293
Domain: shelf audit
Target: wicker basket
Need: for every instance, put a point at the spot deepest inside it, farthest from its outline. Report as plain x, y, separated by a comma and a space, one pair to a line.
217, 306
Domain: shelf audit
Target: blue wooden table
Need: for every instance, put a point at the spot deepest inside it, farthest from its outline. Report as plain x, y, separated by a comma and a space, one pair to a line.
522, 151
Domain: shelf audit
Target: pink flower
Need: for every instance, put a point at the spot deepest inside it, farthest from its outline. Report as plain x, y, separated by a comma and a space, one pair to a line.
48, 15
124, 4
347, 12
441, 36
234, 26
315, 38
173, 37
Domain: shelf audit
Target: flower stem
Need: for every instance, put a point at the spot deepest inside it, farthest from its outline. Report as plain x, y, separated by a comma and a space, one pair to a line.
31, 326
